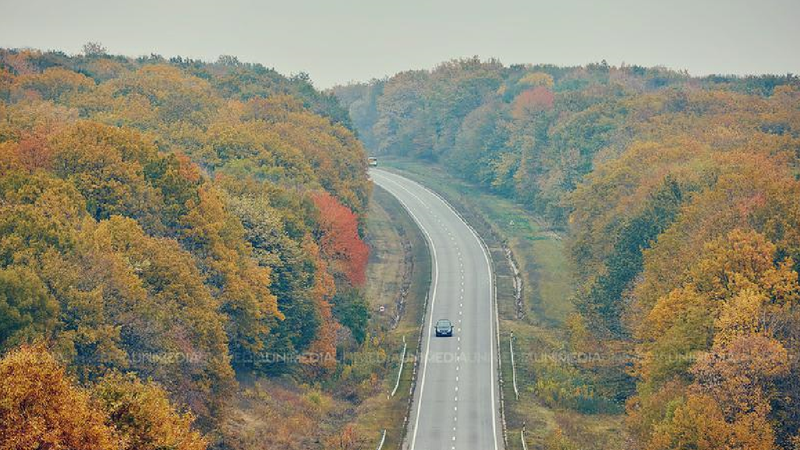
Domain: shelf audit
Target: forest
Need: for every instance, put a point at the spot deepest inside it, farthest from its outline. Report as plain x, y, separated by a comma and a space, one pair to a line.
165, 226
183, 257
677, 198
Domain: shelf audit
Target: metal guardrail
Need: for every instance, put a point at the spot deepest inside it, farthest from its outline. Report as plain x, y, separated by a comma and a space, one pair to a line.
383, 439
488, 251
513, 365
497, 327
400, 372
522, 437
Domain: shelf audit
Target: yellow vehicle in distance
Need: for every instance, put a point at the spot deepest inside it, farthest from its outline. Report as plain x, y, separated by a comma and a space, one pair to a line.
372, 161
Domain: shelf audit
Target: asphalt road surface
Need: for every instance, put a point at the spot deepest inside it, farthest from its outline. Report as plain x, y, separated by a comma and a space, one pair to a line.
456, 400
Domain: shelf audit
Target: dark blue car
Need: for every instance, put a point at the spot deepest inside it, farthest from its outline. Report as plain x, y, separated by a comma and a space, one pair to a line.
444, 328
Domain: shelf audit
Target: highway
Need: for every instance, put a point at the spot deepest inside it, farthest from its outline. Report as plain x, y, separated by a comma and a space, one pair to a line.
456, 400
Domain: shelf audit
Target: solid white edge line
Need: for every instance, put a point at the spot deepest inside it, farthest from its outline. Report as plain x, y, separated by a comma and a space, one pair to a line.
430, 315
492, 305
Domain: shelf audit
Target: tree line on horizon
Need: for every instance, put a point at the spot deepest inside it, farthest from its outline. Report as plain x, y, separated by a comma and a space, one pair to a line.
678, 197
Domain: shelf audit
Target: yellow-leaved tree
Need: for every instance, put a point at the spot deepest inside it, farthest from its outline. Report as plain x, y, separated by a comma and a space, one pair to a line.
40, 407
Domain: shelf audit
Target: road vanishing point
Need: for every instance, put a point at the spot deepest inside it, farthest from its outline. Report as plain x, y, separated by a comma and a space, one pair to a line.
456, 399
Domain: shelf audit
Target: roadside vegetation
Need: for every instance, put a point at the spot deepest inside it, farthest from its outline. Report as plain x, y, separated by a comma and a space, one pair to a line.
399, 275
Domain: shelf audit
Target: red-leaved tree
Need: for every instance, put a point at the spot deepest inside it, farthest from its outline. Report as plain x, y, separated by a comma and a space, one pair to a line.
339, 240
532, 101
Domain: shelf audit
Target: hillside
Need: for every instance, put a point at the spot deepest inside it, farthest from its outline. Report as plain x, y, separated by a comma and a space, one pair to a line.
167, 228
677, 197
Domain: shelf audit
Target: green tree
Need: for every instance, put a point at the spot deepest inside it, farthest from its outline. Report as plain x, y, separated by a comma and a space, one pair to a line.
27, 310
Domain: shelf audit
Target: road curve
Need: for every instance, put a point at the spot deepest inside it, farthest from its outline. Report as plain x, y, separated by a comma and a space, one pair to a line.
456, 401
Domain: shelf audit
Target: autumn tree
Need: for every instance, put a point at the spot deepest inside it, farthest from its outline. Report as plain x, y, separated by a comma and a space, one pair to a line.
107, 165
40, 407
143, 416
699, 423
27, 310
157, 218
339, 239
55, 83
532, 101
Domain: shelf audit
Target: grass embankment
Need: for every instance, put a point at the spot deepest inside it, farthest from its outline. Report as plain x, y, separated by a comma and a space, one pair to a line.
399, 267
538, 323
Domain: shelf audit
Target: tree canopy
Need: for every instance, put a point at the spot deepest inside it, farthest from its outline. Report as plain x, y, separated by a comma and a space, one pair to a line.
161, 227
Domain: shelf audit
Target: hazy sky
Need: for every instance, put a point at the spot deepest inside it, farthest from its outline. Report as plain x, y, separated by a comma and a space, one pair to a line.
340, 40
